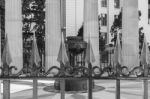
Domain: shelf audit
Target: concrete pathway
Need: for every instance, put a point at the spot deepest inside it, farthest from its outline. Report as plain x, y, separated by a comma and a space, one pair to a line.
129, 90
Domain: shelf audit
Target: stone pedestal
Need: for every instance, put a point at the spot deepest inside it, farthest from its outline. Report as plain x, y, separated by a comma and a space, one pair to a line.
73, 85
76, 52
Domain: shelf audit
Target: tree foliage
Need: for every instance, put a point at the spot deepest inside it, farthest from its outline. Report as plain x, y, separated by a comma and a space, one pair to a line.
2, 22
33, 14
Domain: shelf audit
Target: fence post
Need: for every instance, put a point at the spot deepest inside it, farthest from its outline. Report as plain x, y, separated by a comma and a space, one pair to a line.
62, 88
118, 88
6, 89
90, 83
145, 82
6, 83
35, 89
90, 88
145, 96
117, 81
0, 90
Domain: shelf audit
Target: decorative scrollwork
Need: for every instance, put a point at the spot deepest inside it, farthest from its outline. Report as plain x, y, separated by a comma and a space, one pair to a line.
53, 73
6, 70
11, 69
124, 71
137, 71
120, 71
109, 70
105, 72
96, 71
78, 71
83, 71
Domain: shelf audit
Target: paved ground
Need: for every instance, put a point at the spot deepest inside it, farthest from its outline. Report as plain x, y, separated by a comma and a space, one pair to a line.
129, 90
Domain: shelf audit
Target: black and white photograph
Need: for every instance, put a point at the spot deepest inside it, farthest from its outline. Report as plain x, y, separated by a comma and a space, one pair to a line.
74, 49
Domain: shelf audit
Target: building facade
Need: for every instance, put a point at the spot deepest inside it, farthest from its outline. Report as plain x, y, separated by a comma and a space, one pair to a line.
110, 9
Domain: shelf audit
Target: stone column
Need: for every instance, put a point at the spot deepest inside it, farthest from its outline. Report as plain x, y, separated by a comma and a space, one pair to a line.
63, 14
70, 21
110, 18
121, 4
13, 29
130, 35
63, 18
91, 27
53, 33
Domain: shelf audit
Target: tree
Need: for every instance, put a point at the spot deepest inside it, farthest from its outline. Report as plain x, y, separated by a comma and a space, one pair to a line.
33, 15
117, 24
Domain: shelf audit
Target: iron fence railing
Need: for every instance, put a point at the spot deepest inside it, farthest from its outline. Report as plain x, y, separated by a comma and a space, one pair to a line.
106, 71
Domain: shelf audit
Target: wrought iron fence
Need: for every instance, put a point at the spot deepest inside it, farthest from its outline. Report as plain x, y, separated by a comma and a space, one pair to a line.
105, 71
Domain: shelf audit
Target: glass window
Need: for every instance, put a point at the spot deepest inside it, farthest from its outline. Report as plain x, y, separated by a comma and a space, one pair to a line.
148, 16
117, 3
102, 43
103, 3
103, 19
